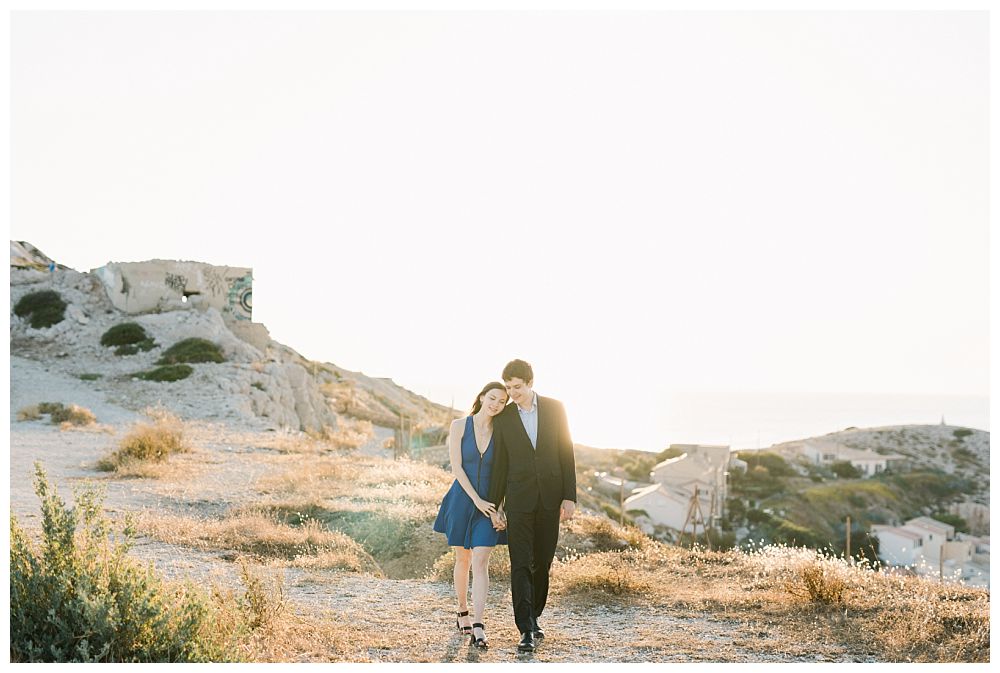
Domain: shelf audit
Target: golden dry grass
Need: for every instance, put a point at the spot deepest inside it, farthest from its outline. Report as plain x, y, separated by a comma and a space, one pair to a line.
349, 434
147, 443
261, 535
59, 414
807, 595
29, 413
387, 506
444, 568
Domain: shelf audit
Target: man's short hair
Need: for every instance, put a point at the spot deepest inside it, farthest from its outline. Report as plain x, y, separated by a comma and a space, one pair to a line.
518, 369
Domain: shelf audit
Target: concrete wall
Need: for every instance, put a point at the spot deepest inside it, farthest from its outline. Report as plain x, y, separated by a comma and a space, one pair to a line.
168, 285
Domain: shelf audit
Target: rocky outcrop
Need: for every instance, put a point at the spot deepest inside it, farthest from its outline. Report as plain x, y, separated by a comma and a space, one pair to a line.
262, 382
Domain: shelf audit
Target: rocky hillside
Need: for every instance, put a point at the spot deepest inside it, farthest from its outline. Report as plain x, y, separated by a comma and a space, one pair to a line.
272, 387
962, 452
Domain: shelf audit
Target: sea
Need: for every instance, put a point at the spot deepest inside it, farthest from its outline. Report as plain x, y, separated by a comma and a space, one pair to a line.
745, 420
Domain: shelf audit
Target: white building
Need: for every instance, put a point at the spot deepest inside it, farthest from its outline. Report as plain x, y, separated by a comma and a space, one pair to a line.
919, 541
826, 452
666, 506
897, 546
703, 466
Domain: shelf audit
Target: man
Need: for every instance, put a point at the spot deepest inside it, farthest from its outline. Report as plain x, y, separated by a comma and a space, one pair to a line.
534, 486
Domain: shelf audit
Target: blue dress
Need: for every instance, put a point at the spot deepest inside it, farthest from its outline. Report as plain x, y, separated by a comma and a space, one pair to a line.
463, 524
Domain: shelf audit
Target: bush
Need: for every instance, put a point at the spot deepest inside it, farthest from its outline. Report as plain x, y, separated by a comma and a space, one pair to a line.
89, 377
960, 524
74, 415
124, 333
962, 433
192, 350
58, 413
29, 413
81, 598
132, 349
821, 581
166, 373
776, 465
43, 309
148, 442
845, 470
611, 573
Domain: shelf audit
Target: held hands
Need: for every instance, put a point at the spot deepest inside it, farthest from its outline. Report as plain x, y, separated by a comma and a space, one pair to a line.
566, 510
499, 520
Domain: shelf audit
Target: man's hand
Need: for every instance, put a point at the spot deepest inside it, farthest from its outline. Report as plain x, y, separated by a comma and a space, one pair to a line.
499, 520
566, 510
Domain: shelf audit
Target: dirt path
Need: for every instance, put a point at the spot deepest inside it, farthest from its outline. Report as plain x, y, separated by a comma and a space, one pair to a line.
393, 620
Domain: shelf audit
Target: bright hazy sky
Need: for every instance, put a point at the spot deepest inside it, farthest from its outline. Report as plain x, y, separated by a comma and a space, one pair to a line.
637, 203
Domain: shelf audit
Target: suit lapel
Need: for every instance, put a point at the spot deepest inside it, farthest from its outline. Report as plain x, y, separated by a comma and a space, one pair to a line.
517, 426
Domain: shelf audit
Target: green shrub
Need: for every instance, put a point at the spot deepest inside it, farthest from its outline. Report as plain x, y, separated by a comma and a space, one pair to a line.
795, 535
167, 373
124, 333
776, 465
960, 524
132, 349
845, 470
962, 433
192, 350
43, 309
89, 377
81, 598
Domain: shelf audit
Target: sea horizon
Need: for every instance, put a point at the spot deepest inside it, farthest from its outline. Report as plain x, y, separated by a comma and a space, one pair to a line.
754, 420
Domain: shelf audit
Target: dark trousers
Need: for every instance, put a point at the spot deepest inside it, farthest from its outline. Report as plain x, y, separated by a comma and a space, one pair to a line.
531, 542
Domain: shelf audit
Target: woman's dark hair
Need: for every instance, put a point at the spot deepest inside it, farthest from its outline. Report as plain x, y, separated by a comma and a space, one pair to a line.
518, 369
492, 385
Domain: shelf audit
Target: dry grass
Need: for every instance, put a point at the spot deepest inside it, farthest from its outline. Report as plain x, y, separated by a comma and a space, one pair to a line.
904, 618
444, 568
263, 536
387, 506
29, 413
59, 414
145, 443
257, 623
74, 415
586, 533
350, 434
612, 573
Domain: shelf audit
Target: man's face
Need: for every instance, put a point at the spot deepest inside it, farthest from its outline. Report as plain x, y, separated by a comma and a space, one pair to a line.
519, 391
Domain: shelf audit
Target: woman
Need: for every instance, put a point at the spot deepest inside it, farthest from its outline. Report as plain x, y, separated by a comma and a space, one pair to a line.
464, 516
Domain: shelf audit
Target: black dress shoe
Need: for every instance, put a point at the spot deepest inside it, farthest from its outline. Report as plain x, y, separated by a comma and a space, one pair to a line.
527, 643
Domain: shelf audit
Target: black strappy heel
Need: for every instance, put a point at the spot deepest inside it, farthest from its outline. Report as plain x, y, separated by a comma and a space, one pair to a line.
479, 642
464, 630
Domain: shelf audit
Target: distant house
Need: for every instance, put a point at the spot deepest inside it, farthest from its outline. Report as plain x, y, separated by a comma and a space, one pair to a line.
703, 467
665, 506
898, 547
611, 485
827, 452
919, 540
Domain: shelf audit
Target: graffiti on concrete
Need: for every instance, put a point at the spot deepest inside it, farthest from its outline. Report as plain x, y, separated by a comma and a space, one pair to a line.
241, 297
175, 282
215, 280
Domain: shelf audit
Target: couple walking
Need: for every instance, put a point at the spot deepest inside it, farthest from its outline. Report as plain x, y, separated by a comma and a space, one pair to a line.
515, 480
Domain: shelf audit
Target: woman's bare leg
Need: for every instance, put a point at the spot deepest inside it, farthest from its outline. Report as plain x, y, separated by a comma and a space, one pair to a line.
480, 584
463, 561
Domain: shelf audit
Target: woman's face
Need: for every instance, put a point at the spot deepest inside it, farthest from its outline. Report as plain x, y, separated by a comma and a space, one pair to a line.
493, 401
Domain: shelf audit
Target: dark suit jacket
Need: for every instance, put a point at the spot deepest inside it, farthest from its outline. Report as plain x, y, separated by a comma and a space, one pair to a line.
522, 474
